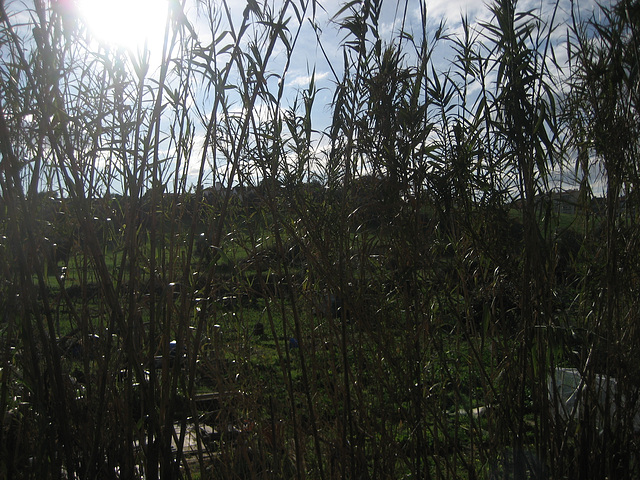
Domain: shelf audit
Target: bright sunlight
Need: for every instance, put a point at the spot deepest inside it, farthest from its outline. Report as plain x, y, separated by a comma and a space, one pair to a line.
130, 24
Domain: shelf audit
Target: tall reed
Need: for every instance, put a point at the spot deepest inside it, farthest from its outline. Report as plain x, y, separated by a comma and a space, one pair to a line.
202, 280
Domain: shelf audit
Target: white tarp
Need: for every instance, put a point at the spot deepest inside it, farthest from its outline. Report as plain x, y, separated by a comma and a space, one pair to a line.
568, 390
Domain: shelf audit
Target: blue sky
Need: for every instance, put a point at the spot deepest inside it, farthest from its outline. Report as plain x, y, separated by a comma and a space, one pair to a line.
308, 56
118, 20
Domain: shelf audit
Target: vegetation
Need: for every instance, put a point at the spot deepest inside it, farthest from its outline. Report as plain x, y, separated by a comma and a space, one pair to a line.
199, 281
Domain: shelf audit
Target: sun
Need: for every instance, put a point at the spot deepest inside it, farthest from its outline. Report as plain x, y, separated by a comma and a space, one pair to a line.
129, 24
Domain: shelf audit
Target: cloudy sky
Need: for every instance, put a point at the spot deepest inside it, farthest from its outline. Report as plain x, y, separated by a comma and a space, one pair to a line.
118, 21
308, 56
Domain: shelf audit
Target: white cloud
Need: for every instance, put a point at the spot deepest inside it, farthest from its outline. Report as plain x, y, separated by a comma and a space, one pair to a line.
451, 10
304, 80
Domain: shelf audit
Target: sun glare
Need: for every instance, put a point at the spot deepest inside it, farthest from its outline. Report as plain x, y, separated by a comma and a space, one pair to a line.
129, 24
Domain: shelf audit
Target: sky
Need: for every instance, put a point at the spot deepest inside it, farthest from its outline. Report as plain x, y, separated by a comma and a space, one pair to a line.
118, 23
